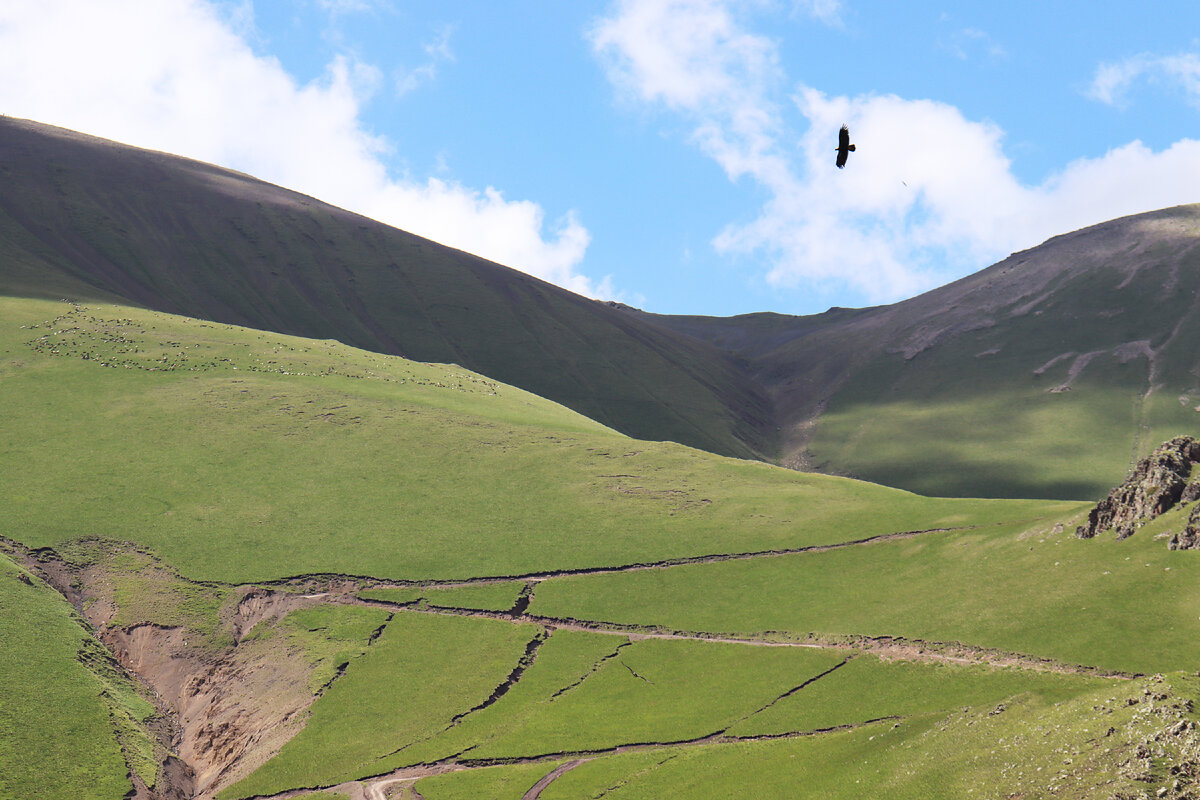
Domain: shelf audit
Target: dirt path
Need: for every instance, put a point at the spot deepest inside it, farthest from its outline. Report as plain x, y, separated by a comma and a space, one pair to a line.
885, 647
535, 791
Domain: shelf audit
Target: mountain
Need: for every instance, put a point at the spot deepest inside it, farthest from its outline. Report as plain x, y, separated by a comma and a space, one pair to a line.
1045, 375
237, 563
88, 219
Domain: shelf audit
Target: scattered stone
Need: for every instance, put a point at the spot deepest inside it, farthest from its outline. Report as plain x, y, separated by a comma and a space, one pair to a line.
23, 578
1155, 486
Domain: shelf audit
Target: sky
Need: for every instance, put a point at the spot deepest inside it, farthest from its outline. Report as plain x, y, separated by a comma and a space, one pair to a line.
675, 155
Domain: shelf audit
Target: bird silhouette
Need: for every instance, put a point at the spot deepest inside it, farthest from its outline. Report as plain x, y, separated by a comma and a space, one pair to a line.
844, 148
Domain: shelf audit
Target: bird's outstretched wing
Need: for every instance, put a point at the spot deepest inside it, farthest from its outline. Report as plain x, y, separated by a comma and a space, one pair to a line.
844, 146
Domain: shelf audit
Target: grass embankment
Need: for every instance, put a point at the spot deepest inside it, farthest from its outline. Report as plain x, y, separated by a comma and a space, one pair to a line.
1051, 737
1126, 605
141, 589
1094, 746
240, 456
331, 637
498, 596
70, 724
416, 677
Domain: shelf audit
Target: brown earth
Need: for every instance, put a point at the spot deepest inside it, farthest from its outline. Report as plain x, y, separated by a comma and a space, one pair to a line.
230, 708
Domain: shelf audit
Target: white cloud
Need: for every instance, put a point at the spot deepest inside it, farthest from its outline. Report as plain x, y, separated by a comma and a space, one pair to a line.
964, 43
928, 196
337, 7
692, 57
1112, 81
688, 54
438, 51
174, 75
827, 11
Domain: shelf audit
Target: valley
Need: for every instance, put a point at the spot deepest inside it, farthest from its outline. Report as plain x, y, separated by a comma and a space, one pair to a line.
299, 506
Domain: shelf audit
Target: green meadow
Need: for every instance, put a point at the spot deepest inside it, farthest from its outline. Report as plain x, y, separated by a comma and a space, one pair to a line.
1128, 605
1030, 747
63, 702
279, 458
1065, 742
285, 457
420, 673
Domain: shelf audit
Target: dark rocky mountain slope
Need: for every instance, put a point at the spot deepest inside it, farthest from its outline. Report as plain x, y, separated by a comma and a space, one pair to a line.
86, 218
1047, 374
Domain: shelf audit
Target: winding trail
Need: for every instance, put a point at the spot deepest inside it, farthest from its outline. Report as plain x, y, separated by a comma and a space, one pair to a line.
886, 647
536, 790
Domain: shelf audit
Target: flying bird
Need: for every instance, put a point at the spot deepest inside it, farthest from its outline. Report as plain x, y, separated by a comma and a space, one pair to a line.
844, 147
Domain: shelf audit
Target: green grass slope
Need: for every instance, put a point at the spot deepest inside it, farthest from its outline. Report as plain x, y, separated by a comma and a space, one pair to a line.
93, 220
70, 723
1032, 746
238, 456
1126, 605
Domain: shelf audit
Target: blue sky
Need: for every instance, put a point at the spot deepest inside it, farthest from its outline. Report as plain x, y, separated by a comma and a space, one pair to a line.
673, 154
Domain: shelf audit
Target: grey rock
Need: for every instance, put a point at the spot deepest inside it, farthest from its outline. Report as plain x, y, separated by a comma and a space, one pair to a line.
1156, 485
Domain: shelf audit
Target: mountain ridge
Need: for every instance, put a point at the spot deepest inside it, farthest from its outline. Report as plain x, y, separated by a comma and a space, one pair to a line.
1066, 352
97, 219
1122, 290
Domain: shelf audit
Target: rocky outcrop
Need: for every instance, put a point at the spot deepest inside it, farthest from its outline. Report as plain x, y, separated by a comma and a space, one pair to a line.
1189, 537
1156, 485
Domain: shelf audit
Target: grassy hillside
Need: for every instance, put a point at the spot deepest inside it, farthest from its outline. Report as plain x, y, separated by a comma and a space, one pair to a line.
1041, 376
290, 457
93, 220
63, 702
224, 457
1118, 605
